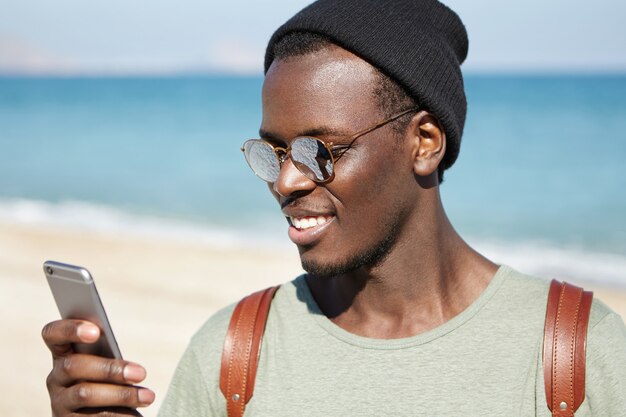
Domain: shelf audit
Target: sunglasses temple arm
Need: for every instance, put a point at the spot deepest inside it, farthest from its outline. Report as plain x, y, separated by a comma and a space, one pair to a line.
380, 124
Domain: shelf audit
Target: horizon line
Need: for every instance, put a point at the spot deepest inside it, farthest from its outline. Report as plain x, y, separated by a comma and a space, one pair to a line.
238, 74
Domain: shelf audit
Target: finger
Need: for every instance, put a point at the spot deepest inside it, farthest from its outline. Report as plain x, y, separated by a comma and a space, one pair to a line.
59, 334
94, 395
107, 412
71, 368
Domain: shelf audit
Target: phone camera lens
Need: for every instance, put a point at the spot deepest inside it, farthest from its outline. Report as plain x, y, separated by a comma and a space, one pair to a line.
49, 270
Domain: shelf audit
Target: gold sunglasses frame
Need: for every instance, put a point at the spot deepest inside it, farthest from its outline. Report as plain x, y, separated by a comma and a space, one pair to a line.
282, 153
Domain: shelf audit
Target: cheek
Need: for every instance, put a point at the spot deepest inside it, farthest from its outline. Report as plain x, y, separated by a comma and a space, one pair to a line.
375, 175
366, 206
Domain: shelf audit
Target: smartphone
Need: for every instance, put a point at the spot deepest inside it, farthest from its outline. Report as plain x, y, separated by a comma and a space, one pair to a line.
76, 297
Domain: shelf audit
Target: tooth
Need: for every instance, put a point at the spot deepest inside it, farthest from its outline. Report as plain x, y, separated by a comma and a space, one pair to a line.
296, 223
321, 220
312, 221
306, 223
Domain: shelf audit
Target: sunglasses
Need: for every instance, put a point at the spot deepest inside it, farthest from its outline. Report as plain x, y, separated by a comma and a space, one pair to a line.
313, 157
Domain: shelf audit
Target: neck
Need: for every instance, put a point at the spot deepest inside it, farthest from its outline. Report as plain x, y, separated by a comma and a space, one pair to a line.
429, 276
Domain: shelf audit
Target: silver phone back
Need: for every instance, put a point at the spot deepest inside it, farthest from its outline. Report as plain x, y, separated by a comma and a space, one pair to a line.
76, 297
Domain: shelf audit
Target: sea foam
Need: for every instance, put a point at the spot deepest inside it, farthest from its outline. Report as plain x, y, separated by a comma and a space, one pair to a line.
543, 259
532, 257
109, 220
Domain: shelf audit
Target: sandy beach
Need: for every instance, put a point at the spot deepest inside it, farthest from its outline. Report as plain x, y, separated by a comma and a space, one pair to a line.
157, 294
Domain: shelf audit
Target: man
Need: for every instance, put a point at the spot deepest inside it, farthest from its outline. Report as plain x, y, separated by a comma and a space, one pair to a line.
363, 111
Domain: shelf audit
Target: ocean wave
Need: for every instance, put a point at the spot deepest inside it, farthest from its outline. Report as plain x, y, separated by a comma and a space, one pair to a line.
533, 257
103, 219
572, 264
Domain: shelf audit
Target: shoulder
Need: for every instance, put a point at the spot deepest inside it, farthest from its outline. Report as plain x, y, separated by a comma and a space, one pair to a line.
519, 299
606, 361
525, 292
607, 332
523, 285
207, 343
194, 389
212, 332
527, 295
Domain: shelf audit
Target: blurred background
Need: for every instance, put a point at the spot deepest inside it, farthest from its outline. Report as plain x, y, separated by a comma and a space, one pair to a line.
120, 127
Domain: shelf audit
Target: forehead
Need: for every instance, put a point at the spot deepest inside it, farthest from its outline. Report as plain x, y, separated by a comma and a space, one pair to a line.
330, 88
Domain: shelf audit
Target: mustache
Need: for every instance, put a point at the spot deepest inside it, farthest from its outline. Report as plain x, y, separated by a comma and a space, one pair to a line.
299, 203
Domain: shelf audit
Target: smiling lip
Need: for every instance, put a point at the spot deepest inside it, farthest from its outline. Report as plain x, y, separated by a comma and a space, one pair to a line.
305, 230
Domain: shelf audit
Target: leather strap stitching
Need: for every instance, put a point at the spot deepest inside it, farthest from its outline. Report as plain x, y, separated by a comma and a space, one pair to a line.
232, 359
572, 357
570, 340
245, 332
554, 350
565, 332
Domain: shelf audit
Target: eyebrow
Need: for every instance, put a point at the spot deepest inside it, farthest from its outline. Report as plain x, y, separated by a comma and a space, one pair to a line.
316, 132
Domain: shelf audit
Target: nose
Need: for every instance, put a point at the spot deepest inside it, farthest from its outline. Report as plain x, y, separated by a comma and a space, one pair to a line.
290, 180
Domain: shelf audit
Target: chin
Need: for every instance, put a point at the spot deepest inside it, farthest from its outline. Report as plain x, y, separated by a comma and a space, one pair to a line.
332, 265
323, 269
321, 265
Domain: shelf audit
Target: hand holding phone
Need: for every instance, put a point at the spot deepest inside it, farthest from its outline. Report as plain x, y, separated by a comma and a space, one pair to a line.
88, 374
76, 296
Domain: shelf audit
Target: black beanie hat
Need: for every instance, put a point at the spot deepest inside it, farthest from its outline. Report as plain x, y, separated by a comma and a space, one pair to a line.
420, 44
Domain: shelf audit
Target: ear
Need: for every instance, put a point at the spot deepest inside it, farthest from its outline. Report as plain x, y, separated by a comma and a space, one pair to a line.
428, 142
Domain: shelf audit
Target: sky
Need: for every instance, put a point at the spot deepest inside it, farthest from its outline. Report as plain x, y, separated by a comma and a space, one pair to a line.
169, 37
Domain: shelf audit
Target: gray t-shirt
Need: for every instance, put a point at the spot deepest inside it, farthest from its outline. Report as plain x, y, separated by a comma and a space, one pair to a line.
486, 361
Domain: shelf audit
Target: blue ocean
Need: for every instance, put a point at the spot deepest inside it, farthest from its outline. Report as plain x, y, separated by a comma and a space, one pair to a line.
541, 177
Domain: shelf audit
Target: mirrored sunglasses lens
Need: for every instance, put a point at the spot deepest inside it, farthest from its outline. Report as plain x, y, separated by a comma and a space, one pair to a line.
312, 158
262, 159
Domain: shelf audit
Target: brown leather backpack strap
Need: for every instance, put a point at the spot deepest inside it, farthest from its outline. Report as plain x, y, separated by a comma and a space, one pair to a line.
242, 348
564, 347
